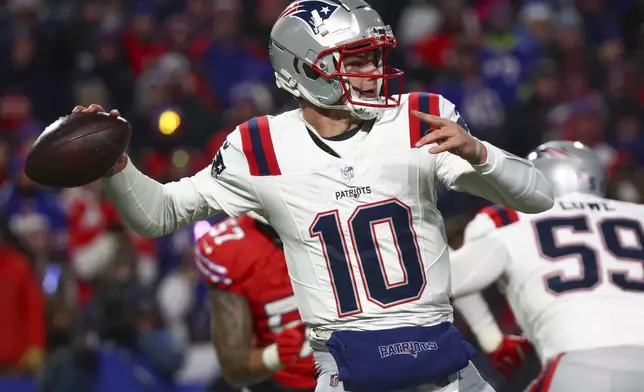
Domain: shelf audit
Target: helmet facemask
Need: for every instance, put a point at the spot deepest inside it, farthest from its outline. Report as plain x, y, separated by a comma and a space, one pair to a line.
330, 64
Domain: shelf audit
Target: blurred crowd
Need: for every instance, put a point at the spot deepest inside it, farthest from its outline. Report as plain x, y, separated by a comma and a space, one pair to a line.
186, 72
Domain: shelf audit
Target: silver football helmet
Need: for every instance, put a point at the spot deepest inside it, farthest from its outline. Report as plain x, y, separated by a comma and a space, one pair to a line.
570, 167
309, 42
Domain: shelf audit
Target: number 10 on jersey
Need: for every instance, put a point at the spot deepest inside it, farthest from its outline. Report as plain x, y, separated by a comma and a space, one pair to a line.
327, 227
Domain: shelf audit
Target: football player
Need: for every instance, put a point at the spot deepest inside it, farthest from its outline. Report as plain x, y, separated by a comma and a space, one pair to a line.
348, 181
251, 297
573, 276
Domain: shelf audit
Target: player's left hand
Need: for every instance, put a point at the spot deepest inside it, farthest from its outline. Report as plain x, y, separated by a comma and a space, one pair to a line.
94, 108
451, 137
289, 344
510, 354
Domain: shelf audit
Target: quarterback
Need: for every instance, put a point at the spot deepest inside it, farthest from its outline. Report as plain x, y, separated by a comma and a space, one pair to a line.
573, 276
348, 181
251, 296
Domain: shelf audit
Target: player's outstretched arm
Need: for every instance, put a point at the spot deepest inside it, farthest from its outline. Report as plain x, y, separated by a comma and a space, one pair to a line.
506, 352
477, 265
153, 209
478, 316
241, 363
467, 164
232, 335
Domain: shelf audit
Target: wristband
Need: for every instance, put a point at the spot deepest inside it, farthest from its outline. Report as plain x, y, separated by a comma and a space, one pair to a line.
271, 358
479, 148
489, 336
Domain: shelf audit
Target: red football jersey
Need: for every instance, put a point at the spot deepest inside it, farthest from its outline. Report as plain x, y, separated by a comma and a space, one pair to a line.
236, 255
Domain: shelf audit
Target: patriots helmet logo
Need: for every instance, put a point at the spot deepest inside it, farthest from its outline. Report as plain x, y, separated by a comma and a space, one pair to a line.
312, 12
411, 352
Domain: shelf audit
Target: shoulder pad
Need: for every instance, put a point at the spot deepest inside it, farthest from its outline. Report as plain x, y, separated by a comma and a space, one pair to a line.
488, 219
425, 103
257, 144
218, 254
230, 149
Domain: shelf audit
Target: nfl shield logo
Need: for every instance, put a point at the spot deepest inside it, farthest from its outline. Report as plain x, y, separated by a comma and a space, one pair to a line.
311, 12
347, 173
335, 380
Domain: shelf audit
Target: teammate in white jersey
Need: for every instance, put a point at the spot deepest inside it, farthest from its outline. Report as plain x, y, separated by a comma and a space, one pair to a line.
573, 276
348, 181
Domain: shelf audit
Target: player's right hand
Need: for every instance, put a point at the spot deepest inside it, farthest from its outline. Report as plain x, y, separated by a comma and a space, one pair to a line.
94, 108
289, 344
510, 354
450, 136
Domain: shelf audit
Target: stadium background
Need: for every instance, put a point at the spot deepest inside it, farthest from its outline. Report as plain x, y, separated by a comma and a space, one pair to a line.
83, 301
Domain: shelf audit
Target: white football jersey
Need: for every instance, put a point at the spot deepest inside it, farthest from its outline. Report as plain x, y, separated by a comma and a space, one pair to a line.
362, 236
364, 242
573, 275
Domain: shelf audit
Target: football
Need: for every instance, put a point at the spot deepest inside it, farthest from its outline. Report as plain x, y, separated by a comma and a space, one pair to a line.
77, 149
